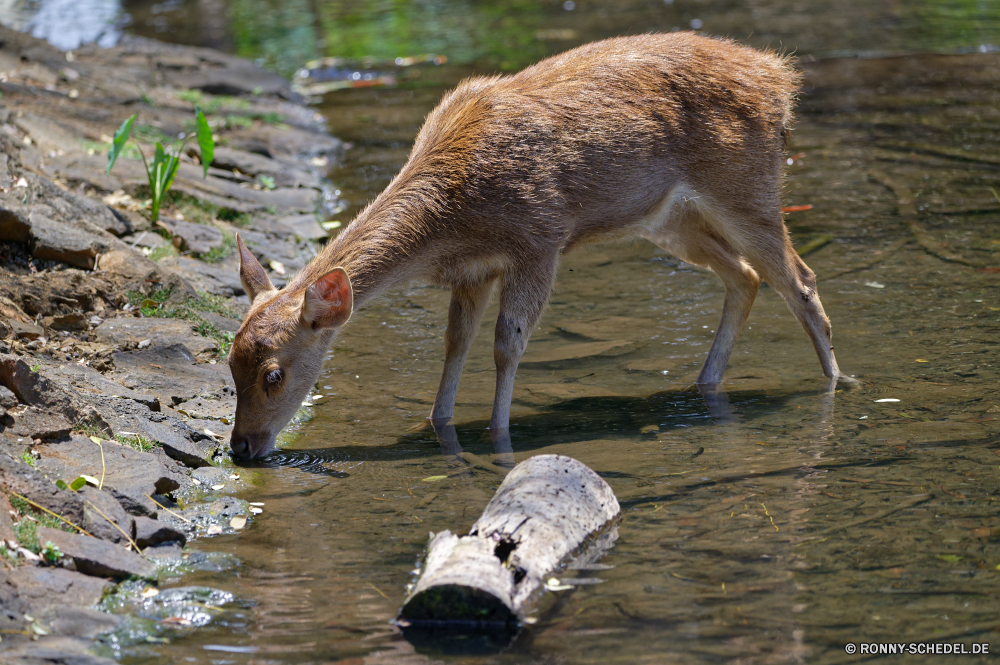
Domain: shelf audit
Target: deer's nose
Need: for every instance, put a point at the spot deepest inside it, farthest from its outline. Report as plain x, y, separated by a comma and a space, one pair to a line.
240, 445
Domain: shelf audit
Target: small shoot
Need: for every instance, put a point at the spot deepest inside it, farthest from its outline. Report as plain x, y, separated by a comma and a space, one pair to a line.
161, 171
50, 553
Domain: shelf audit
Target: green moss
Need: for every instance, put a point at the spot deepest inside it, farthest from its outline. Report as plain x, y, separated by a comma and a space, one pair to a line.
221, 253
90, 428
190, 310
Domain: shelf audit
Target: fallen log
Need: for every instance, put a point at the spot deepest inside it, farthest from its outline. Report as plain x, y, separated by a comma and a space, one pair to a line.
549, 512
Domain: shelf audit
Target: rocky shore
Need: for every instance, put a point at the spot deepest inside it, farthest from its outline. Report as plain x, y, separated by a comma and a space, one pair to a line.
114, 331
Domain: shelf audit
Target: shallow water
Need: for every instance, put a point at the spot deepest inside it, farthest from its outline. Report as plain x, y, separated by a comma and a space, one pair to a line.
781, 529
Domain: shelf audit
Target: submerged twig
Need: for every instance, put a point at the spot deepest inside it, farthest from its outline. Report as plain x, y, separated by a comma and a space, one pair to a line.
908, 213
915, 501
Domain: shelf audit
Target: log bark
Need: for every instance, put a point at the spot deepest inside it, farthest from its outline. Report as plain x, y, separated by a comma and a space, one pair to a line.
547, 511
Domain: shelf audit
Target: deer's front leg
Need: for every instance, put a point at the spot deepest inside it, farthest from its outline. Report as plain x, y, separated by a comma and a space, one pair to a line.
522, 297
468, 302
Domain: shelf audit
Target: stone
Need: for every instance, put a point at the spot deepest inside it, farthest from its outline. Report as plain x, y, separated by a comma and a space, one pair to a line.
256, 165
35, 389
209, 475
27, 331
145, 239
6, 523
43, 587
304, 226
74, 322
196, 238
177, 379
222, 278
97, 557
149, 532
17, 477
7, 398
12, 607
48, 135
223, 323
52, 650
104, 517
127, 472
160, 332
83, 622
40, 423
132, 271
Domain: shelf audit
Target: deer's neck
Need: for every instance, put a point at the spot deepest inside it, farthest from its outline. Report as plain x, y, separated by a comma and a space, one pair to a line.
384, 246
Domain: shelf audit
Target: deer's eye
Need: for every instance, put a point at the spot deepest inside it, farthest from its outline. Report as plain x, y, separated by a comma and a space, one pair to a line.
274, 377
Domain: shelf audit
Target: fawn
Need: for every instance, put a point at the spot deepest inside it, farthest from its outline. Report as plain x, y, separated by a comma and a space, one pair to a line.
676, 138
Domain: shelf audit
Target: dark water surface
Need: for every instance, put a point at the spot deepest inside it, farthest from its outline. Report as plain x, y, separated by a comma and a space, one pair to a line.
796, 524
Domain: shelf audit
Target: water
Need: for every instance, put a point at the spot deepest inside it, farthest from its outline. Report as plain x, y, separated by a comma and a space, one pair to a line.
780, 530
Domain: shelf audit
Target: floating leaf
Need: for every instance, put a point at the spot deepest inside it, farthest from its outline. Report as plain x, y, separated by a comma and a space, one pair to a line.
256, 503
234, 476
434, 479
205, 141
118, 142
150, 591
255, 510
214, 530
218, 487
886, 399
238, 522
950, 558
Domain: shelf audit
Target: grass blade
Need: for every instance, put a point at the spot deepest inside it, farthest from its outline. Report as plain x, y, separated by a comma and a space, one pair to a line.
118, 142
205, 141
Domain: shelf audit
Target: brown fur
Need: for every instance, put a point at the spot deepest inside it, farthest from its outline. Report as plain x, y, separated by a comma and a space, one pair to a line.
675, 138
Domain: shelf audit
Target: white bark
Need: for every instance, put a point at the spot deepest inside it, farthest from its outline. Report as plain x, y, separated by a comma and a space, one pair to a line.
548, 509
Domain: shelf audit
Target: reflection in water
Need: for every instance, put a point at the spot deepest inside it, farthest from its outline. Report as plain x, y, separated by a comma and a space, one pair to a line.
66, 24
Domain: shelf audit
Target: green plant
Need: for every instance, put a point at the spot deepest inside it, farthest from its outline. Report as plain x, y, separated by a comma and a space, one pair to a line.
28, 458
161, 171
90, 428
137, 441
50, 553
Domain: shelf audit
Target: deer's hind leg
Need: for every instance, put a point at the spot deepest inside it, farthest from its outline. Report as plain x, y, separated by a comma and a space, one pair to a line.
524, 290
690, 238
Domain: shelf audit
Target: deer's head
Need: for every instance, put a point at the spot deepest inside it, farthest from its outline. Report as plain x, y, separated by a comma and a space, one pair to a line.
278, 352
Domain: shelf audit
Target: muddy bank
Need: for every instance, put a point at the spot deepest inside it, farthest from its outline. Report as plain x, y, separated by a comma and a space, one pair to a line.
114, 331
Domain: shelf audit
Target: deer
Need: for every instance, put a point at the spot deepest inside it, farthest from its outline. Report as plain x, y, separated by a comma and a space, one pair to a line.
675, 138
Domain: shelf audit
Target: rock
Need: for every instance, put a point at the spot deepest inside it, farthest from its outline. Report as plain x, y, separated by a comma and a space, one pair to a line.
70, 322
12, 607
150, 532
55, 241
36, 390
223, 323
53, 650
97, 557
209, 475
177, 378
6, 523
39, 423
48, 135
130, 476
102, 514
130, 270
192, 453
222, 278
145, 239
304, 226
27, 331
93, 386
18, 477
201, 408
197, 238
256, 165
83, 622
41, 588
7, 398
266, 248
160, 332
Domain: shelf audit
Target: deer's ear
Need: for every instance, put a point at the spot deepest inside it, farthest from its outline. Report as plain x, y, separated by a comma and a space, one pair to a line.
329, 301
255, 281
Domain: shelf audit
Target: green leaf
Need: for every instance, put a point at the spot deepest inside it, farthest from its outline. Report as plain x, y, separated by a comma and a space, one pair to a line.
118, 142
78, 483
61, 484
433, 479
950, 558
205, 141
